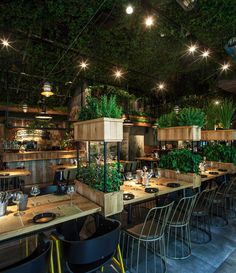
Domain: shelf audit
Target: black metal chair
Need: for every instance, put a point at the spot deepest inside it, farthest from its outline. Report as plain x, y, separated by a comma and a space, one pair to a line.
91, 254
38, 262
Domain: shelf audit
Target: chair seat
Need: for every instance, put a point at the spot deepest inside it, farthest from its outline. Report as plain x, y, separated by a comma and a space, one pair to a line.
177, 218
150, 232
200, 211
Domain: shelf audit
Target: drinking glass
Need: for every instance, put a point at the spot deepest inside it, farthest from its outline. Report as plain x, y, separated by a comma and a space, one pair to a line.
34, 192
17, 196
71, 191
129, 176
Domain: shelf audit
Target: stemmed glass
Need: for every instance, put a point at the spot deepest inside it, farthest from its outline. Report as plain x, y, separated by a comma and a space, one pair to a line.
17, 196
34, 192
71, 191
177, 173
129, 176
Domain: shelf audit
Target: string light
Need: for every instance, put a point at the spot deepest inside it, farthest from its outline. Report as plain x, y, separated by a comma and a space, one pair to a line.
118, 74
5, 43
192, 48
83, 65
149, 21
225, 67
129, 10
205, 54
161, 86
217, 102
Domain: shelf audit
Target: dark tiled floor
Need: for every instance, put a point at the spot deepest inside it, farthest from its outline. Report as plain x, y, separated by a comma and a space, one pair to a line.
217, 256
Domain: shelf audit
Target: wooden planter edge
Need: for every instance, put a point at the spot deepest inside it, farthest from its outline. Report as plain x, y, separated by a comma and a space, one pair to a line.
111, 203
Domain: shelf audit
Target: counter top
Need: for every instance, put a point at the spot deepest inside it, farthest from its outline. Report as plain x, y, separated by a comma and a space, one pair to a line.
37, 155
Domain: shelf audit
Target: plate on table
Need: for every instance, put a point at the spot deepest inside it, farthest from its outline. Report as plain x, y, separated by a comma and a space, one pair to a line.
222, 170
4, 174
61, 169
203, 176
43, 218
173, 185
151, 190
214, 173
128, 196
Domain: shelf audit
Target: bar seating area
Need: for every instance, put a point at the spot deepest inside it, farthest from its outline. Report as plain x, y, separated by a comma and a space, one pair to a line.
117, 136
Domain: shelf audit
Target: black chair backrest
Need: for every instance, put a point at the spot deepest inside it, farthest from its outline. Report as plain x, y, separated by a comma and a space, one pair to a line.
37, 262
101, 244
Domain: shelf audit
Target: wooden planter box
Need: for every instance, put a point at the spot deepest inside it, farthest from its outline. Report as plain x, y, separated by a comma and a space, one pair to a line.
222, 165
188, 177
101, 129
226, 135
111, 203
192, 133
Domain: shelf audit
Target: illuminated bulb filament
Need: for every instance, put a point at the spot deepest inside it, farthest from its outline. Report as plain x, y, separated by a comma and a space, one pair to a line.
149, 21
205, 54
118, 74
83, 65
129, 9
225, 67
5, 43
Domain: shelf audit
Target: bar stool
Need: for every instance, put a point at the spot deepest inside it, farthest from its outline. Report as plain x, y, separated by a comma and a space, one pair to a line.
219, 216
178, 234
149, 235
200, 218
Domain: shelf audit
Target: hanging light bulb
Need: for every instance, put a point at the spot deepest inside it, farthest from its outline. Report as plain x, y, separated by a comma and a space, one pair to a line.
47, 90
205, 54
149, 21
192, 48
129, 10
83, 65
225, 67
118, 74
5, 42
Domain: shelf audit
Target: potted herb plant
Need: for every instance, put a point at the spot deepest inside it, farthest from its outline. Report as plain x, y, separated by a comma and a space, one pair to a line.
99, 120
221, 156
223, 115
186, 125
182, 164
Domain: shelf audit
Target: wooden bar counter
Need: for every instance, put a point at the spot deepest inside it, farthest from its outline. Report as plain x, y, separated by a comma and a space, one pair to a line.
38, 163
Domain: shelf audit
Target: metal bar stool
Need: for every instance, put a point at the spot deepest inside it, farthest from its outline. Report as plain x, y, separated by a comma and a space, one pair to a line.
218, 209
200, 219
178, 234
149, 235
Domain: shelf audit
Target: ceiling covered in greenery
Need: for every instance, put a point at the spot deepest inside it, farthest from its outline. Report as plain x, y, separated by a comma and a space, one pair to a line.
49, 39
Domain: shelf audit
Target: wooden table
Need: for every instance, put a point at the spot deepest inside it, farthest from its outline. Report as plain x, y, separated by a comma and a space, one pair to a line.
14, 173
63, 167
213, 176
141, 196
148, 159
6, 175
12, 227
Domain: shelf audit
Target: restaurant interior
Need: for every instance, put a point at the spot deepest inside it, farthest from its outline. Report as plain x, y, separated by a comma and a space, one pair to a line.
117, 136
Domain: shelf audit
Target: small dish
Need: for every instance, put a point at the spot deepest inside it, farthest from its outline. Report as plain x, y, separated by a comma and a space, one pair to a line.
214, 173
222, 170
151, 190
128, 196
173, 185
43, 218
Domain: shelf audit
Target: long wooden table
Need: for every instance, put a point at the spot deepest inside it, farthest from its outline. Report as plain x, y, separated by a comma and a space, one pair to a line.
12, 227
10, 173
213, 176
141, 196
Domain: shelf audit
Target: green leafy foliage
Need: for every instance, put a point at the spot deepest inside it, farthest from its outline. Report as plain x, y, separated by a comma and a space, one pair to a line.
212, 115
191, 116
105, 107
167, 120
183, 160
226, 113
220, 152
93, 176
